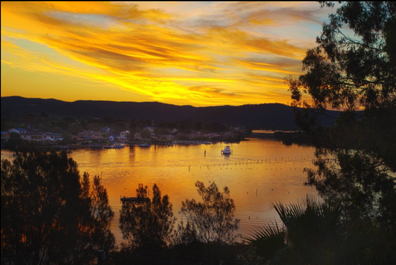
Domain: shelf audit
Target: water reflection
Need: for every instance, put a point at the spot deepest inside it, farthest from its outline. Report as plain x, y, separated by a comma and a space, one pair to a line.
258, 173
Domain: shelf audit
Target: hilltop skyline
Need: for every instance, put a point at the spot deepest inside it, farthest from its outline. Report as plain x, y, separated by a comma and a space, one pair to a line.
181, 53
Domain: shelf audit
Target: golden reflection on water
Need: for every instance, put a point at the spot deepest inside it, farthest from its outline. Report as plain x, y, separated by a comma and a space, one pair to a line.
258, 173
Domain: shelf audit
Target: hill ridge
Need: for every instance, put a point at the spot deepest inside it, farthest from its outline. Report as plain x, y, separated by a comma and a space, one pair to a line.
264, 115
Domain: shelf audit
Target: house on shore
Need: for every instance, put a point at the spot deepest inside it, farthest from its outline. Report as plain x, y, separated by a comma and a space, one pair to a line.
124, 136
149, 128
54, 136
17, 130
91, 135
38, 137
77, 139
137, 136
105, 130
5, 136
212, 135
194, 136
112, 138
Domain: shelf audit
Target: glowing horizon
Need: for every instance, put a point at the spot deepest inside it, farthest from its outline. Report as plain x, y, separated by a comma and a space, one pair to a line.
180, 53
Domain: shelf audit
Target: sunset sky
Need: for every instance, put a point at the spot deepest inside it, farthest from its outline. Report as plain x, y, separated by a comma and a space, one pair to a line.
183, 53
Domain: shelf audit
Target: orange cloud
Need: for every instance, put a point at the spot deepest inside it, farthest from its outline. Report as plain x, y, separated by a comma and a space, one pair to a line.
157, 54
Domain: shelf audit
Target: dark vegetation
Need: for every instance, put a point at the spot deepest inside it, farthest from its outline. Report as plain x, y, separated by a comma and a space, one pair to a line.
208, 237
50, 215
355, 158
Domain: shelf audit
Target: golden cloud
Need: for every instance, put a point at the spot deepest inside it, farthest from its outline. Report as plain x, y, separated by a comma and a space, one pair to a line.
152, 52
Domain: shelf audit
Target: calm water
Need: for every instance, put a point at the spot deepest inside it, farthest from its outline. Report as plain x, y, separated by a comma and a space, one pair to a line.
258, 173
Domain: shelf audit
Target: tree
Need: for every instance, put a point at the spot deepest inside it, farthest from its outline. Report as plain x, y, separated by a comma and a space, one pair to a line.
43, 115
313, 233
161, 131
185, 126
119, 126
198, 126
345, 71
211, 220
356, 158
49, 214
74, 128
215, 127
146, 134
147, 224
14, 135
348, 73
209, 233
68, 120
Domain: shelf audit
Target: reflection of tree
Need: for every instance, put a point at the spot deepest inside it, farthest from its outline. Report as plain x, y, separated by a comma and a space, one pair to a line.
49, 215
356, 158
147, 224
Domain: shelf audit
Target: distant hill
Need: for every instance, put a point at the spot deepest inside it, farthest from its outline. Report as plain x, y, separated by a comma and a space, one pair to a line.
262, 115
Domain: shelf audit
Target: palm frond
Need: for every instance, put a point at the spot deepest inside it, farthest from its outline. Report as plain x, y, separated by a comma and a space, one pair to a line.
266, 241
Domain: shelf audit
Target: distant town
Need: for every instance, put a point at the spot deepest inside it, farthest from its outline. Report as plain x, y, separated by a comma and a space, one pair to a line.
70, 133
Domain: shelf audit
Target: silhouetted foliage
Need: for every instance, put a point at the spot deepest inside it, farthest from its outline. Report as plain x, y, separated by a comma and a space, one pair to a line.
356, 158
43, 115
145, 134
211, 220
119, 126
345, 71
185, 126
74, 129
19, 145
198, 126
14, 135
209, 234
147, 225
49, 215
314, 233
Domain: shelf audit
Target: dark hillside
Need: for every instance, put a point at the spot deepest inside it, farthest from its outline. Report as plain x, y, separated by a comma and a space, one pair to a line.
264, 115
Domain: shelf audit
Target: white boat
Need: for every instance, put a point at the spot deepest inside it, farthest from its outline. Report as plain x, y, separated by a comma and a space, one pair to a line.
118, 146
226, 150
144, 145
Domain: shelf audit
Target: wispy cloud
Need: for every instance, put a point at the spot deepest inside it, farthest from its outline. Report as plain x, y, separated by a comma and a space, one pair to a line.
206, 55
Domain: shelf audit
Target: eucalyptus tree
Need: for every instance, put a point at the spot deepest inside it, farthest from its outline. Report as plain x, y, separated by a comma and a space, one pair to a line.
147, 224
49, 214
211, 220
353, 69
209, 232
